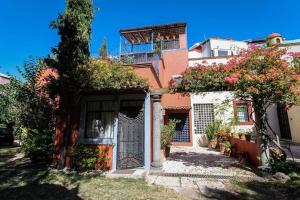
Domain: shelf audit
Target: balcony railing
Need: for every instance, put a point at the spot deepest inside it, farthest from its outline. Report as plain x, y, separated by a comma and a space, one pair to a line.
142, 53
135, 58
170, 44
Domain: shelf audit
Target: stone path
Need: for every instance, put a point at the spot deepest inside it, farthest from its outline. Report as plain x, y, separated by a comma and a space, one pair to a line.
201, 160
195, 172
189, 188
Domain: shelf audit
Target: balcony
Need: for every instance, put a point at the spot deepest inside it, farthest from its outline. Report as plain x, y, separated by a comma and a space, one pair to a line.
149, 52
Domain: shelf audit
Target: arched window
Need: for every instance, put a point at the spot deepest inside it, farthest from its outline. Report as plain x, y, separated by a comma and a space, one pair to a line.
278, 41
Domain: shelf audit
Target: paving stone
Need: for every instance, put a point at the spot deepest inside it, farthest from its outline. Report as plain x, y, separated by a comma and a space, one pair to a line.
167, 181
188, 182
187, 193
209, 188
151, 179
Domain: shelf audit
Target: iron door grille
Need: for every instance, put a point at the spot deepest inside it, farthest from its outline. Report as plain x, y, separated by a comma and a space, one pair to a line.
131, 135
203, 115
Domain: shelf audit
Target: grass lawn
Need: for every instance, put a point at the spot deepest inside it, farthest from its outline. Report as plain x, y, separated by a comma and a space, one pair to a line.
20, 179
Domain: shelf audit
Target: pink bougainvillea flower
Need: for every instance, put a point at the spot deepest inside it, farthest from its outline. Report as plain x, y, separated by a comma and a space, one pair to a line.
231, 80
254, 46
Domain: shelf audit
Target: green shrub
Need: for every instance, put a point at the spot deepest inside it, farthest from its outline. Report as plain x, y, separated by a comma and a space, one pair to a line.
37, 145
89, 158
212, 129
227, 145
280, 165
168, 132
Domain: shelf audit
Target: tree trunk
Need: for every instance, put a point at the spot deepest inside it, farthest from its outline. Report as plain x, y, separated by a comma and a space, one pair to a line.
66, 130
261, 128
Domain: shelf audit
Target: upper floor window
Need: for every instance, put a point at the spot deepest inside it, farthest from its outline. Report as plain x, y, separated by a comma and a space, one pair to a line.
242, 112
223, 53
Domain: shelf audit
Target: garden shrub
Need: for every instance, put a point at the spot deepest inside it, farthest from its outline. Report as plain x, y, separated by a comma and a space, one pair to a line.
89, 158
168, 132
37, 144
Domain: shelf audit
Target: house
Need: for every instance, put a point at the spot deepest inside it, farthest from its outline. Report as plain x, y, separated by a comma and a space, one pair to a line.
128, 123
4, 79
207, 105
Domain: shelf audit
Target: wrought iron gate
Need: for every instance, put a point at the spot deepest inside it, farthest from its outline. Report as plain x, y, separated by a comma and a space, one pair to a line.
131, 135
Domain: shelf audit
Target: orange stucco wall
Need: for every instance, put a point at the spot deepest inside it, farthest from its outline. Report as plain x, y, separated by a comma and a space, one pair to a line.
174, 63
149, 74
108, 149
248, 147
175, 100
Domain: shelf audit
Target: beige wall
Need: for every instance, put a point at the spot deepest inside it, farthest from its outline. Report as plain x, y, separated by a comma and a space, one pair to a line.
294, 119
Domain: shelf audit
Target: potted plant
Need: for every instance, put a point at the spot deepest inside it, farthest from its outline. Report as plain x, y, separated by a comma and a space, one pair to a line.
168, 132
242, 136
248, 136
228, 146
223, 135
211, 133
235, 135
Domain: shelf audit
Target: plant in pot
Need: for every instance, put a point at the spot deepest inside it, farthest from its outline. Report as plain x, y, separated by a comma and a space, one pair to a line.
223, 135
228, 146
242, 136
235, 135
168, 132
211, 133
248, 136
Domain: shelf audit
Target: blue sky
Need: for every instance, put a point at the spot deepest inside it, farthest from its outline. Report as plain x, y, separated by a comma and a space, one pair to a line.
25, 24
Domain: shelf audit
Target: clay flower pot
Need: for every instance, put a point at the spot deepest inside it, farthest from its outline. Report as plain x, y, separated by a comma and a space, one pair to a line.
212, 144
227, 152
222, 147
242, 137
235, 135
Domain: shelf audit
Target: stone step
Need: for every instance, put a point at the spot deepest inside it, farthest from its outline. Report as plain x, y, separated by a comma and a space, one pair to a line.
205, 176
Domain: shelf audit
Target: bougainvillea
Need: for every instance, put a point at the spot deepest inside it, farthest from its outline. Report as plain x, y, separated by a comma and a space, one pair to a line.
263, 75
258, 73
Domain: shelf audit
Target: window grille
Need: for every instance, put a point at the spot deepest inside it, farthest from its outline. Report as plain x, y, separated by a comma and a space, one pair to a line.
182, 133
203, 115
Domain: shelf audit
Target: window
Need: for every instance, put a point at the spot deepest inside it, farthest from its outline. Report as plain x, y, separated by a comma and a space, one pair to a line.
278, 41
242, 112
99, 120
203, 115
222, 53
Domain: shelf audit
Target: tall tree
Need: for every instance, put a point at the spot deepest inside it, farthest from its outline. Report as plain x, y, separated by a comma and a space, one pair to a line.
103, 50
71, 56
